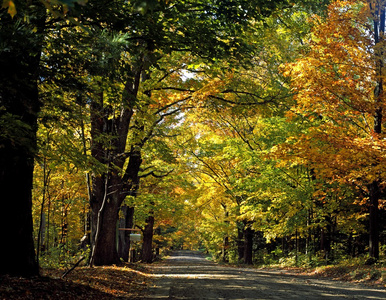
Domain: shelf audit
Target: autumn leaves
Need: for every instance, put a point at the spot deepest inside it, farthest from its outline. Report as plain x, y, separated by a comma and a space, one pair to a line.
335, 85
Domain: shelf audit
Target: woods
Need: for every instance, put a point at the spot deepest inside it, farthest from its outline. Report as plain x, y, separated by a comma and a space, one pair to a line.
251, 130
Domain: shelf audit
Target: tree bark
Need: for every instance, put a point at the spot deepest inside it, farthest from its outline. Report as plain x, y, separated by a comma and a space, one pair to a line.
121, 183
105, 248
19, 107
248, 245
374, 196
147, 245
126, 221
225, 247
378, 11
240, 241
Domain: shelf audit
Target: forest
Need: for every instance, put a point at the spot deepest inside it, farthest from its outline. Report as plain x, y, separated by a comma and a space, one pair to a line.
250, 130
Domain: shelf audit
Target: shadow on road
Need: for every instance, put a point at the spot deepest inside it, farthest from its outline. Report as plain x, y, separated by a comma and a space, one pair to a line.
188, 275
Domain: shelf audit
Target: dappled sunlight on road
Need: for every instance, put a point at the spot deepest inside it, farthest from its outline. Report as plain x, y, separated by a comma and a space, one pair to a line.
185, 258
188, 275
196, 276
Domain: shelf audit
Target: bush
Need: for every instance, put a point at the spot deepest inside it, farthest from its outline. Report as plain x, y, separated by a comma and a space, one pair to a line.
61, 258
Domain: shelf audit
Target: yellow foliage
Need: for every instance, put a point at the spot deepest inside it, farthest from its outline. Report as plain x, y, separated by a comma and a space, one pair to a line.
334, 89
11, 7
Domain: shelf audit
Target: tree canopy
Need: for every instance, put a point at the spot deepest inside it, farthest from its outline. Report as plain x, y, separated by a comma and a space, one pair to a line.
251, 129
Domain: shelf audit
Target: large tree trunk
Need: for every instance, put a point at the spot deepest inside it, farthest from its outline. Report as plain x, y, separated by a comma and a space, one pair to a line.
19, 107
106, 200
110, 188
18, 256
104, 249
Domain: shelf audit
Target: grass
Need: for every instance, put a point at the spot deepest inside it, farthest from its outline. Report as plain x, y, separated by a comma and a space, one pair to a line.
350, 270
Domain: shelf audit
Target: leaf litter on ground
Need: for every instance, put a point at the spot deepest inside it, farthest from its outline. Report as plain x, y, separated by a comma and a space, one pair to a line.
127, 281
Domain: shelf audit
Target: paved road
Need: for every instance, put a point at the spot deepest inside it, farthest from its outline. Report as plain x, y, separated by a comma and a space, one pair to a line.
188, 275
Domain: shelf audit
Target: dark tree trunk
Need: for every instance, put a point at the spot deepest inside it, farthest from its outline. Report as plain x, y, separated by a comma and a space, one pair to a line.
325, 245
325, 239
106, 200
19, 107
240, 241
104, 250
147, 245
378, 11
225, 247
18, 256
374, 196
126, 221
284, 248
110, 188
248, 246
98, 153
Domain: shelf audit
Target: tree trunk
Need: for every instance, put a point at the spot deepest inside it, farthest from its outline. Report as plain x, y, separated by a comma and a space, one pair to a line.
42, 233
248, 246
147, 248
111, 184
225, 247
104, 219
105, 246
240, 241
378, 11
19, 107
325, 239
126, 221
374, 195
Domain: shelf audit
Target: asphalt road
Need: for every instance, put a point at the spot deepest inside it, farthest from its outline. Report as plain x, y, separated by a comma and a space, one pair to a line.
188, 275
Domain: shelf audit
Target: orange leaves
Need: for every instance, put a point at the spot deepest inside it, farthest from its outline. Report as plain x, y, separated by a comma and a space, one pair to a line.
11, 7
212, 87
338, 71
334, 88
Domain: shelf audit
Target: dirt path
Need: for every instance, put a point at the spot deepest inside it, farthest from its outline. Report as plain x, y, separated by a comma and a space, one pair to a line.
188, 275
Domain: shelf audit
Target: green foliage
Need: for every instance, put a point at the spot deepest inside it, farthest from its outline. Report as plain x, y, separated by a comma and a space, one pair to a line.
15, 131
62, 257
208, 108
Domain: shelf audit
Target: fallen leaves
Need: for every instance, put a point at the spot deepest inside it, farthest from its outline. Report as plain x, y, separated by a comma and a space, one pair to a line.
368, 275
110, 282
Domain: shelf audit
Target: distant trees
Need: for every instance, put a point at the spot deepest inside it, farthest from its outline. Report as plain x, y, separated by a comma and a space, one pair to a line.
313, 157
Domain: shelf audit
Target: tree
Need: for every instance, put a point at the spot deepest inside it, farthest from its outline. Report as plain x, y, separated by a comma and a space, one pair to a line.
60, 202
378, 13
338, 88
110, 81
19, 107
163, 28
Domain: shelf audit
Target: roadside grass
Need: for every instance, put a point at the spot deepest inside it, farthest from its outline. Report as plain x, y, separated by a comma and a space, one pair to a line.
374, 275
350, 270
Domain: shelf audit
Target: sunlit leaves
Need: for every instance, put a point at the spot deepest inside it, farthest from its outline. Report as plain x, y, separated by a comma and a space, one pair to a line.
334, 85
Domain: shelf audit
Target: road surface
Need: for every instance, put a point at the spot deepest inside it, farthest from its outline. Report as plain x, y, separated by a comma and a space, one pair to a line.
188, 275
